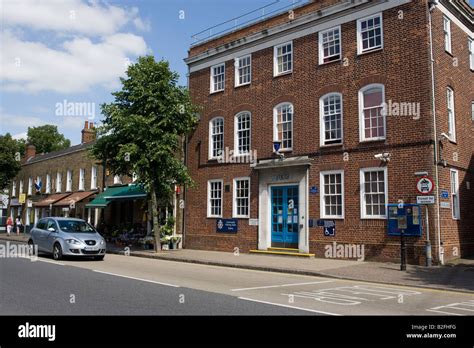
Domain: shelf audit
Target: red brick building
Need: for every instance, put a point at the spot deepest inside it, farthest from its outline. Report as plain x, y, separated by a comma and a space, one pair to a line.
348, 94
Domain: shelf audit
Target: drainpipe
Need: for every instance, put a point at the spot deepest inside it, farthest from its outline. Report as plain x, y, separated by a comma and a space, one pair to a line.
431, 7
185, 188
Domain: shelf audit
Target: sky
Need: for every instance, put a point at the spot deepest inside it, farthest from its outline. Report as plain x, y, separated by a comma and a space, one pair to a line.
61, 59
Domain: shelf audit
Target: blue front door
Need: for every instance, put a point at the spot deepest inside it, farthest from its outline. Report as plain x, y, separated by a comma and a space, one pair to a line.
284, 216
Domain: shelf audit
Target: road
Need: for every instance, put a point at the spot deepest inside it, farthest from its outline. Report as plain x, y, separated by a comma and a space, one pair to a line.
125, 285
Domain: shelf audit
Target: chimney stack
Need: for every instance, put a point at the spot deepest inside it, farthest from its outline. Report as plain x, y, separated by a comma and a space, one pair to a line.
88, 133
30, 151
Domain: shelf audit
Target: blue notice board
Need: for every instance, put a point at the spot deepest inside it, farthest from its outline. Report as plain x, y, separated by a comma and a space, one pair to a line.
227, 225
411, 214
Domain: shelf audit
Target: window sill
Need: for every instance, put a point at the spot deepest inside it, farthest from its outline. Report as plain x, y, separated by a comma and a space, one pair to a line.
214, 217
216, 92
372, 140
330, 145
241, 217
378, 49
332, 217
330, 62
373, 218
286, 73
243, 85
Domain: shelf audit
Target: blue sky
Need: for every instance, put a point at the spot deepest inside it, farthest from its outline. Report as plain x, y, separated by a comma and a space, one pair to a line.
74, 51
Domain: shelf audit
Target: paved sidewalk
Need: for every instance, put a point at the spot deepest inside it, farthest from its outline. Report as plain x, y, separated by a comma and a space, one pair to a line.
457, 276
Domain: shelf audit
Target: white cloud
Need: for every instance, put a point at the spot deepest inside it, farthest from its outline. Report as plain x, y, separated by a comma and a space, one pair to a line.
89, 49
72, 16
20, 136
80, 64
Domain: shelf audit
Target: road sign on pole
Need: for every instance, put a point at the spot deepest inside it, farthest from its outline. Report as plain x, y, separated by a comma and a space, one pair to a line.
425, 185
425, 199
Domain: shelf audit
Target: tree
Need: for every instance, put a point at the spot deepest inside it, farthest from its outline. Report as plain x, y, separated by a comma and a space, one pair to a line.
47, 138
10, 155
143, 131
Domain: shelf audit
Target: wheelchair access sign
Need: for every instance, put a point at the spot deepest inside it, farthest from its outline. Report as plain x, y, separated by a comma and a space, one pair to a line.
329, 227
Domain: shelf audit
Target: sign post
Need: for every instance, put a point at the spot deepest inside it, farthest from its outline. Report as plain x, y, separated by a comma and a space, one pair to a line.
425, 186
402, 225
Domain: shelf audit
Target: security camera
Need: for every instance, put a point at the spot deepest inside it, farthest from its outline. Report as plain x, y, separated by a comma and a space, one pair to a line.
384, 157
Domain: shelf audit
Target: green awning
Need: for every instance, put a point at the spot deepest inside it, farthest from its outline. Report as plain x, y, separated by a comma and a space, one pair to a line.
113, 193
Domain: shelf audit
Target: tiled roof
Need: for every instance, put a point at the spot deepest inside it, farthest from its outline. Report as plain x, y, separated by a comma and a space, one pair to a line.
63, 152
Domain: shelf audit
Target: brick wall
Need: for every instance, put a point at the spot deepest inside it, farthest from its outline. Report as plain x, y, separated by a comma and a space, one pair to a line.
402, 66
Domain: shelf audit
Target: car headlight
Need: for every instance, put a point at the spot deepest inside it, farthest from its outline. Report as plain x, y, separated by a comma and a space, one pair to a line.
102, 242
73, 241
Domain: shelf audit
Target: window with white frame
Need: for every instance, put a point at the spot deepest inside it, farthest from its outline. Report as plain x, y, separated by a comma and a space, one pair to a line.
472, 110
243, 122
93, 177
48, 183
214, 198
332, 194
14, 189
372, 117
451, 115
30, 185
38, 184
241, 204
454, 174
59, 182
373, 193
243, 70
217, 78
216, 137
117, 179
447, 34
330, 45
82, 179
330, 106
283, 59
369, 33
69, 181
21, 187
471, 53
283, 125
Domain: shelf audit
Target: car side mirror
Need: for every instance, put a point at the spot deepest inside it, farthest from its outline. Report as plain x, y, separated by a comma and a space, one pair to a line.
51, 229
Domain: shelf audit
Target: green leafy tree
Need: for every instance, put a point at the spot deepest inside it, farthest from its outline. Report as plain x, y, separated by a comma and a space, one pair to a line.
11, 151
47, 138
143, 131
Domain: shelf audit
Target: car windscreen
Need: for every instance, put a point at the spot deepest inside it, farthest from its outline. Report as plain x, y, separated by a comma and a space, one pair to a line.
73, 226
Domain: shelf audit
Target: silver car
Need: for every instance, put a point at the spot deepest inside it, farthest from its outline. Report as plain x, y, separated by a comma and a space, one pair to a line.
62, 236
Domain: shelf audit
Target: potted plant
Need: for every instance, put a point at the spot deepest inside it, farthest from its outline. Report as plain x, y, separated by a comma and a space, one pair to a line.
175, 241
166, 232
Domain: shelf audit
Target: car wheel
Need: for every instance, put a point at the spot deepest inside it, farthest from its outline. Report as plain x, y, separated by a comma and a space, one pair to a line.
99, 258
57, 252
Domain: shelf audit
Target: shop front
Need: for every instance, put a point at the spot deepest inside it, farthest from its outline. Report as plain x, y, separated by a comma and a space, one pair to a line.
73, 205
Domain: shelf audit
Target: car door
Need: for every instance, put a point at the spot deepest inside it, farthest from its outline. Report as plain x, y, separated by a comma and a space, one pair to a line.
38, 233
50, 236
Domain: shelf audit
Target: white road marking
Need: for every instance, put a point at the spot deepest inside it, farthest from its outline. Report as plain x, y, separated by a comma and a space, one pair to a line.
454, 306
140, 279
51, 261
287, 306
282, 285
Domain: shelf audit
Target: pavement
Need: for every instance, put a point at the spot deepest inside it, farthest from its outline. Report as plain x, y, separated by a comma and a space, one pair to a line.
455, 276
122, 285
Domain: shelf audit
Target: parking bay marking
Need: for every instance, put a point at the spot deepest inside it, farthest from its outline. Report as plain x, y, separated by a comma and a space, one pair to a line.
139, 279
282, 285
333, 295
287, 306
451, 309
